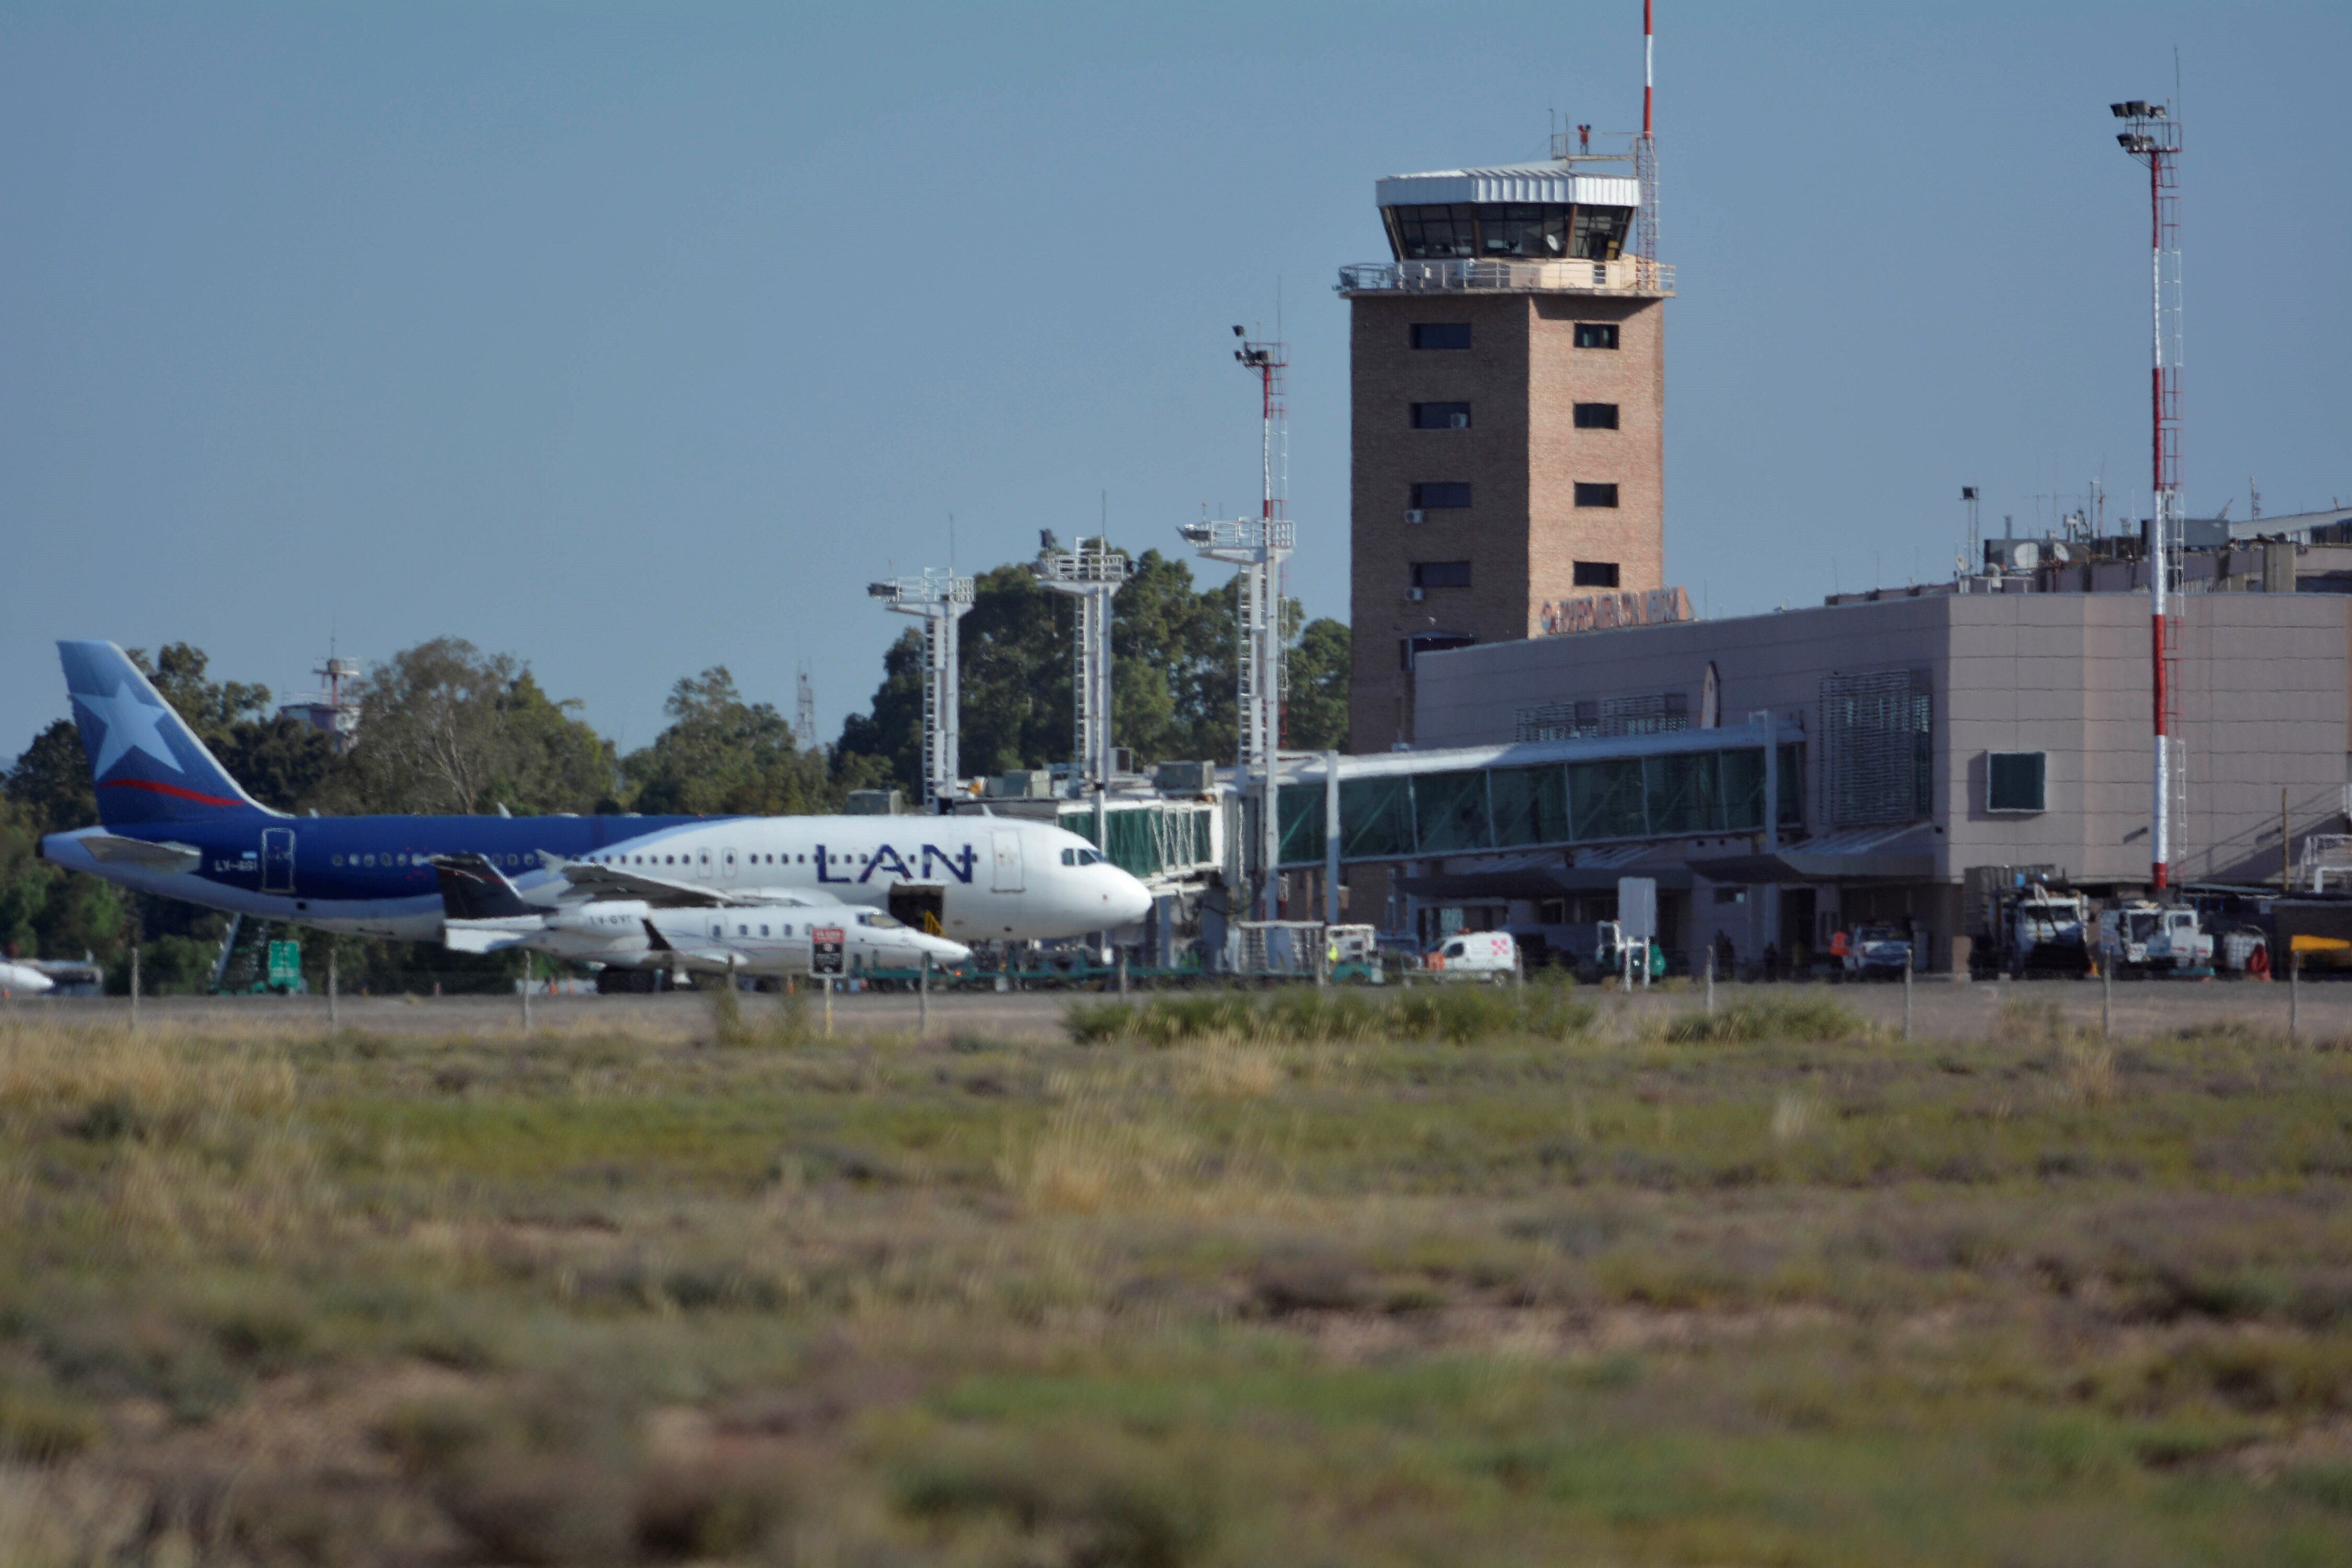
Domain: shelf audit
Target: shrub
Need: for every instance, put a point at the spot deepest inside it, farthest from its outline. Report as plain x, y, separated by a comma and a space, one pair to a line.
1771, 1018
42, 1428
1084, 1497
1309, 1276
1455, 1014
714, 1508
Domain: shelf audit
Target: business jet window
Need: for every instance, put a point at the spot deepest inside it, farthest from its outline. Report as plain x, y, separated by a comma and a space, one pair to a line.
743, 930
763, 930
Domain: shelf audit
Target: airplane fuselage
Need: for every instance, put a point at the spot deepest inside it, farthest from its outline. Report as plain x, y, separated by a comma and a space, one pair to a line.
749, 939
983, 878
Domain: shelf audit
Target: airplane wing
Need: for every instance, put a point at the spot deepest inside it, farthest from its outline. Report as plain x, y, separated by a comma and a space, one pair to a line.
591, 880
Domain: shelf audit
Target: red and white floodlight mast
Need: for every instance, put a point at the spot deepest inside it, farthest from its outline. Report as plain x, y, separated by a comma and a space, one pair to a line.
2154, 138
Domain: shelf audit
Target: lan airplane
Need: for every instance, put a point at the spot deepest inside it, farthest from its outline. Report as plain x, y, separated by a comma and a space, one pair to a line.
174, 823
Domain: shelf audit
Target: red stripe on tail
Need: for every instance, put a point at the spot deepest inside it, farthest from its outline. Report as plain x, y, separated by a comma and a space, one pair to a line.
174, 790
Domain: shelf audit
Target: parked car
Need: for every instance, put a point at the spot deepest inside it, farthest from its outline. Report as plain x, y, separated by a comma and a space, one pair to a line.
1878, 952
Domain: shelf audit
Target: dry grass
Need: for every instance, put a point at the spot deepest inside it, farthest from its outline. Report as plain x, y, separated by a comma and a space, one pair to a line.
1454, 1284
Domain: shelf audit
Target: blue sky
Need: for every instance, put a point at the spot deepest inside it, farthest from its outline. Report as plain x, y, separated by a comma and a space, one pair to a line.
638, 339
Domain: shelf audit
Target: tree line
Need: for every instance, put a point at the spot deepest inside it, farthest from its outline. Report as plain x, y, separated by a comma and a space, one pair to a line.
446, 728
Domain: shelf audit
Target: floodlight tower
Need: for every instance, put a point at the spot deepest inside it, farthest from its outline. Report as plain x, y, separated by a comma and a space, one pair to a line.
1092, 573
1259, 546
2153, 137
344, 713
804, 713
942, 599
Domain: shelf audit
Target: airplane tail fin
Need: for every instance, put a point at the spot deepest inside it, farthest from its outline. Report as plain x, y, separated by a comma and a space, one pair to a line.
474, 889
147, 765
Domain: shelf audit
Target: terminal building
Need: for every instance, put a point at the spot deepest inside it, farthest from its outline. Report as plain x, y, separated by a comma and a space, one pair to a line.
1535, 712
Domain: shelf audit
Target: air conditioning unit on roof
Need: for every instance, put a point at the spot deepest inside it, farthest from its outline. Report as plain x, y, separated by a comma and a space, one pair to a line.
1415, 596
1416, 515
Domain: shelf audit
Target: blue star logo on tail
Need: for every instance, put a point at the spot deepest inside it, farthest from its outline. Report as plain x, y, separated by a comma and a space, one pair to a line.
131, 726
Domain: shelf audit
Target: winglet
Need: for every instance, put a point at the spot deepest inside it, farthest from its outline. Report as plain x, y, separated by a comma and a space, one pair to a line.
474, 889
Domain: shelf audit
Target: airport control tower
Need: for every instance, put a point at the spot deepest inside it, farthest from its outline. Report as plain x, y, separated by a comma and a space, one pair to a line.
1509, 390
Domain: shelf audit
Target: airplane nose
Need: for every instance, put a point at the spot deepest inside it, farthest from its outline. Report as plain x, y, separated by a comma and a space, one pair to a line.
1132, 900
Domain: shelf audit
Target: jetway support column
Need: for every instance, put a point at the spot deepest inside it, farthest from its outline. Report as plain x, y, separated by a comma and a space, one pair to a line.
1330, 838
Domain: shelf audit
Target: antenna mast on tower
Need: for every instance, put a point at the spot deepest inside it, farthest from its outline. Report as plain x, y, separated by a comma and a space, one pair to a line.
1645, 155
2153, 137
804, 712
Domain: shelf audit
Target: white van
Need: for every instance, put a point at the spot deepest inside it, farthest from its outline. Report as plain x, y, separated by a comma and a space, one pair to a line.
1489, 955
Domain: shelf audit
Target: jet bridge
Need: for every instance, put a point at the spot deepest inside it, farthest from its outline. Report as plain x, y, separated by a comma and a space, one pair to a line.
1412, 805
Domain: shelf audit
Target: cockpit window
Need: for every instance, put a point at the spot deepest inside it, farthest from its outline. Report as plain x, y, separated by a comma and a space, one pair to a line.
878, 920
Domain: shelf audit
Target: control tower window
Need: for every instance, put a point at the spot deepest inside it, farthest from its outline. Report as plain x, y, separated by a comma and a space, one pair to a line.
1596, 334
1442, 493
1441, 573
1596, 495
1596, 574
1441, 417
1599, 232
1436, 234
1538, 233
1596, 416
1441, 334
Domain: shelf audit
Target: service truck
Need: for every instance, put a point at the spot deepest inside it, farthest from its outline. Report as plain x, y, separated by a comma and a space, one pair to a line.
2141, 936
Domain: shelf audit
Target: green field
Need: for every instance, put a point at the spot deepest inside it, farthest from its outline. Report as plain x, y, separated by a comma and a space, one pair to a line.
1479, 1281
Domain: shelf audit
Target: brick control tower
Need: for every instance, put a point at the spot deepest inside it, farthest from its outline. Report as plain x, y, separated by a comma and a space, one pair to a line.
1508, 369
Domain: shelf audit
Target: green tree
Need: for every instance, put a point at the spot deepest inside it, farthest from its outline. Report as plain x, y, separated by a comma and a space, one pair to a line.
446, 727
1016, 677
50, 784
1173, 670
722, 755
885, 747
1317, 710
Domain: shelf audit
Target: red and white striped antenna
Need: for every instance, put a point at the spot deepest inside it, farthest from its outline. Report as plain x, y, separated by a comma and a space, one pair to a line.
1646, 150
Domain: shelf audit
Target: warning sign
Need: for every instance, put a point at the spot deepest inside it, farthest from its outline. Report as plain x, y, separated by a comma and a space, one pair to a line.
824, 949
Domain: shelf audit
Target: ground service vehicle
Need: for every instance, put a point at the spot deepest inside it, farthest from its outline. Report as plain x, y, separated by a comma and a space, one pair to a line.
2142, 936
1490, 955
2046, 931
1354, 953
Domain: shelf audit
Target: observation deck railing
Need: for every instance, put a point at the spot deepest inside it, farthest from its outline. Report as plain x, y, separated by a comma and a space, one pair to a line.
1627, 275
